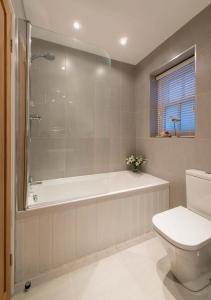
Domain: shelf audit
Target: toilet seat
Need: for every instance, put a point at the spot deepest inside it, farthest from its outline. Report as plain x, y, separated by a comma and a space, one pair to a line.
183, 228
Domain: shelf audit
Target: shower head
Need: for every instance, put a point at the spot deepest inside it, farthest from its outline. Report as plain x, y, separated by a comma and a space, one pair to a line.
47, 56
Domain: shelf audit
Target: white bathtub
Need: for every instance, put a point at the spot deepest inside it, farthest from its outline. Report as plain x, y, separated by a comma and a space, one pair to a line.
72, 189
78, 217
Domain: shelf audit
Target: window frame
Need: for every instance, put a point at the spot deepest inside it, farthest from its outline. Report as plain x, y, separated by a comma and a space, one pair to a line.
169, 67
179, 104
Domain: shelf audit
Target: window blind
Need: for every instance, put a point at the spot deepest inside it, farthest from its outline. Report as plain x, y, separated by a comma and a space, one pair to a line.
176, 99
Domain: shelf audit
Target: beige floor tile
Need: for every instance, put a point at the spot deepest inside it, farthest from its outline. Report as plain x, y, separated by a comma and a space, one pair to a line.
140, 272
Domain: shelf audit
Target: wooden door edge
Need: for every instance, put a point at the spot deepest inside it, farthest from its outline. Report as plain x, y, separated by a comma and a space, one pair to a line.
8, 172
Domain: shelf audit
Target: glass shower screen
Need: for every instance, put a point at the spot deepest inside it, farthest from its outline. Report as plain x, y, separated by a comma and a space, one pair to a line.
67, 110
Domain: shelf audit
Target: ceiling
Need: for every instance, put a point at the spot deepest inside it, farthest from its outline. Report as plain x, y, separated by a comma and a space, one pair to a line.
146, 23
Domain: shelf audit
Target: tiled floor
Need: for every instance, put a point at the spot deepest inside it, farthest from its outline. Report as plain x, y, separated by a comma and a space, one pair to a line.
140, 272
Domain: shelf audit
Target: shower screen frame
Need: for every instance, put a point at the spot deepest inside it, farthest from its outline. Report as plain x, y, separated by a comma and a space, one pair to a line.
22, 96
27, 120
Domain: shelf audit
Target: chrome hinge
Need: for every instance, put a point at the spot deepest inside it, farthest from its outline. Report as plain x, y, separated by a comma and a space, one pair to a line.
11, 45
11, 259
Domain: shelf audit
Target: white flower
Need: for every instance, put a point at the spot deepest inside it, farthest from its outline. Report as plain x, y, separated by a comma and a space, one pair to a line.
135, 161
130, 159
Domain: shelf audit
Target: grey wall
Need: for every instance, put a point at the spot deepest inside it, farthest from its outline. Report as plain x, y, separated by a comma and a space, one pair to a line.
169, 158
87, 110
19, 9
97, 130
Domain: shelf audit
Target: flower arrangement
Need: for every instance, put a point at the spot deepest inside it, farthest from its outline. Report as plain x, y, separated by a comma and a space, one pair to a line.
135, 162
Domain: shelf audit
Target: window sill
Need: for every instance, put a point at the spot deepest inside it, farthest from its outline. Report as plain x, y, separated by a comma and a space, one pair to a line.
174, 137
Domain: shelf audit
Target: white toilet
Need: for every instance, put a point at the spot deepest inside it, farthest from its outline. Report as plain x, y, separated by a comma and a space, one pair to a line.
186, 233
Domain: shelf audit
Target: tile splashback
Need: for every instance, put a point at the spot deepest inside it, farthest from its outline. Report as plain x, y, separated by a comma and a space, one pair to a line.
87, 107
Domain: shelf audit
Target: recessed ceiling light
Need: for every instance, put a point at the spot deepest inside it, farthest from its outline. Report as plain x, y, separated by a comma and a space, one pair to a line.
76, 25
123, 41
63, 68
100, 71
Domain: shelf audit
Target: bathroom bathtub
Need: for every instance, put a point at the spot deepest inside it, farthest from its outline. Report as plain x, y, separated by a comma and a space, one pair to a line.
77, 217
81, 188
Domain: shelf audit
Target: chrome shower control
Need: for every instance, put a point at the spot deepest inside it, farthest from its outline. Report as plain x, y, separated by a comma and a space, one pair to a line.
35, 117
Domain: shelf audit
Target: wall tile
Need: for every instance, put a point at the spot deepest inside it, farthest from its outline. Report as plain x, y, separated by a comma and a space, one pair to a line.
115, 123
47, 158
83, 109
203, 69
79, 154
127, 122
127, 89
127, 147
115, 161
203, 121
142, 123
79, 118
101, 155
169, 158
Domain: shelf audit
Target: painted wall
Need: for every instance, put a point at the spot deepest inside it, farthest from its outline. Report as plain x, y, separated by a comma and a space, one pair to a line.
87, 107
169, 158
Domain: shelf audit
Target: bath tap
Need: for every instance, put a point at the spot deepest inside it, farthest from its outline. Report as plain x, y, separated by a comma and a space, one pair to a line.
35, 198
33, 182
30, 179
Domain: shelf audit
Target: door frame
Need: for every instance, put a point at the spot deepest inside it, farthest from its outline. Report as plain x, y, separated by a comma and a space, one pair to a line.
6, 138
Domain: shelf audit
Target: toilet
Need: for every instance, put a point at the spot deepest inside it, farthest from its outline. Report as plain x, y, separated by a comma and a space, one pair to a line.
186, 233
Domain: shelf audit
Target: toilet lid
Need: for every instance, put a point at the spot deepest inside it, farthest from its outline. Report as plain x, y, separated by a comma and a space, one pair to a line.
183, 228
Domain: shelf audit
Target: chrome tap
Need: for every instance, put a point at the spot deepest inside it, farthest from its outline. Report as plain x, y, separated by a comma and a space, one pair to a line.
30, 179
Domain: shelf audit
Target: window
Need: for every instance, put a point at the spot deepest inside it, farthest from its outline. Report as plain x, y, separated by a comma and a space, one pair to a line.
175, 99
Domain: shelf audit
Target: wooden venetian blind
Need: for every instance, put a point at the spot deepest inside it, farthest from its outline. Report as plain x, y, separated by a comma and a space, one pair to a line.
176, 99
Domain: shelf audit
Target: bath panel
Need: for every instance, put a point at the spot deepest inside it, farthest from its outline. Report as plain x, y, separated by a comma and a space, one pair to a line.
49, 237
